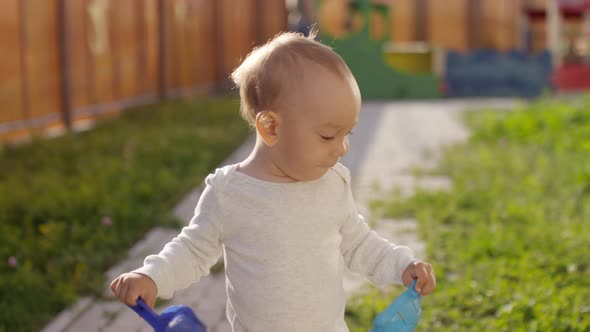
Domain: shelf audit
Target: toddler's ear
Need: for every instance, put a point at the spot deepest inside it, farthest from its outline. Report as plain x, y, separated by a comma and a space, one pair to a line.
266, 125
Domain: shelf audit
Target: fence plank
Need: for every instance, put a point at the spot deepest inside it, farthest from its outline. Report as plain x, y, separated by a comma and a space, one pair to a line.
127, 47
205, 54
499, 26
332, 16
272, 17
79, 54
170, 63
11, 94
182, 20
239, 32
42, 62
152, 46
448, 23
403, 21
101, 51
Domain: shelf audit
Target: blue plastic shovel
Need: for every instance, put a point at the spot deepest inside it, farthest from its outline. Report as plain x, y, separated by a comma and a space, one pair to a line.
403, 313
177, 318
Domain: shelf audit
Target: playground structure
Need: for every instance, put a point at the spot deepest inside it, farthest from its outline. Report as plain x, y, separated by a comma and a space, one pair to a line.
427, 49
360, 32
567, 24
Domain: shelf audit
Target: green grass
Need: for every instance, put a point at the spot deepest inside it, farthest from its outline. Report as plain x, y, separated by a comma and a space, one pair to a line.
510, 241
55, 193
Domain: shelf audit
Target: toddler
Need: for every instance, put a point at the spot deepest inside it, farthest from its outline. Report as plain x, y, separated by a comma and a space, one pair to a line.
284, 218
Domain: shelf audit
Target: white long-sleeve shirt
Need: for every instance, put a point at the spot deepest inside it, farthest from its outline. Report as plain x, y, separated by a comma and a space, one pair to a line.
285, 247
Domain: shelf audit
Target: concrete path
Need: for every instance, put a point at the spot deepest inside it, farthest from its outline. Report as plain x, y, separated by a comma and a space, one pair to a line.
389, 141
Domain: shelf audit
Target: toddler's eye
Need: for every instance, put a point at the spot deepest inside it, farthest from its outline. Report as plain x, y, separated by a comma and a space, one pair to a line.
327, 138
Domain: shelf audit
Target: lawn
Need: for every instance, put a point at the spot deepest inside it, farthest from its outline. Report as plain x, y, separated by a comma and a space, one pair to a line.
510, 241
71, 207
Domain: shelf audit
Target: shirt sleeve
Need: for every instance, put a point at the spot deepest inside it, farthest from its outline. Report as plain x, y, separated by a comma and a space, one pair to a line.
367, 253
190, 255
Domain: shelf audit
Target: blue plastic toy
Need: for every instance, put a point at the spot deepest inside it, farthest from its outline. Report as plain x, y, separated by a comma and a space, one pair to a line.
177, 318
403, 313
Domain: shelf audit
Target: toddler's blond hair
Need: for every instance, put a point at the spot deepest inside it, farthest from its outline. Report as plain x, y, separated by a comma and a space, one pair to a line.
277, 67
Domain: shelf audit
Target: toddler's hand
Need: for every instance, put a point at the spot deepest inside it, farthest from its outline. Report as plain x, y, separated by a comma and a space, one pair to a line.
424, 273
130, 286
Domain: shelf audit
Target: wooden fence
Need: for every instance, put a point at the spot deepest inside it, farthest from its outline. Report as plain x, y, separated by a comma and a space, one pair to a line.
67, 63
453, 24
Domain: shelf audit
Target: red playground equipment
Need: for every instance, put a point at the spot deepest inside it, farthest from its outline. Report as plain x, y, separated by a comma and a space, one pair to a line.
567, 32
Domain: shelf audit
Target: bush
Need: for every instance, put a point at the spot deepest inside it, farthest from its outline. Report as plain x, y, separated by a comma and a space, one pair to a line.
509, 241
71, 207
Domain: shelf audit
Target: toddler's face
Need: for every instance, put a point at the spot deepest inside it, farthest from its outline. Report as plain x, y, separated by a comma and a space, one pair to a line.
315, 125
